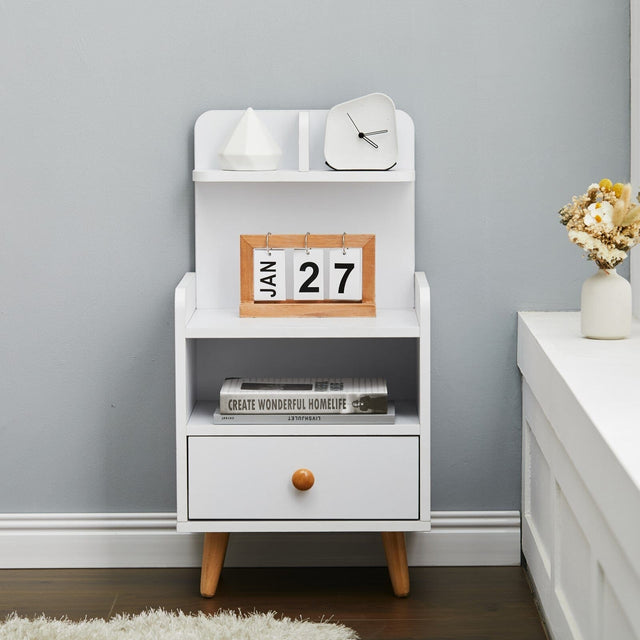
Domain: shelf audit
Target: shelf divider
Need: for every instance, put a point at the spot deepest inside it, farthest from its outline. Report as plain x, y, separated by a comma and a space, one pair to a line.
303, 141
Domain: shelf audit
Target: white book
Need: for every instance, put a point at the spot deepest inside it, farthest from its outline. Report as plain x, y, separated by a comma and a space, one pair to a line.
303, 396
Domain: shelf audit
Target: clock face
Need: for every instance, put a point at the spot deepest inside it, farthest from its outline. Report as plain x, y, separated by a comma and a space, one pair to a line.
362, 134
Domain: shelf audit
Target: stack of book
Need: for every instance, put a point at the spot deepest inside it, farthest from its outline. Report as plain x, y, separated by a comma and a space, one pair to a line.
304, 400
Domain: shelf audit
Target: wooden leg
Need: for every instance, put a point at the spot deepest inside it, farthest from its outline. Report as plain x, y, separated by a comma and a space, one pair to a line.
396, 552
213, 552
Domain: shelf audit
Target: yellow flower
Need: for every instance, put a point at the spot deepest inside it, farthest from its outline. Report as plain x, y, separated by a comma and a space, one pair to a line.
605, 184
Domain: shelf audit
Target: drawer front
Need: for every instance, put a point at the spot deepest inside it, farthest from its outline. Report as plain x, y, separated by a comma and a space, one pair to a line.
356, 478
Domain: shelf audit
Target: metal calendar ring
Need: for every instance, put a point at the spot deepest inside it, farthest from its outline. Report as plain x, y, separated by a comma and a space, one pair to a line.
268, 248
306, 242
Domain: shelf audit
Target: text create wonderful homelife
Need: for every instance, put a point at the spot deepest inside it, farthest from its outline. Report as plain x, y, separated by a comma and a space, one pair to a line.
286, 405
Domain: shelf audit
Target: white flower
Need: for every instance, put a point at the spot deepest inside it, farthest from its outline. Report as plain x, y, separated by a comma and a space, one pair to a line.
598, 213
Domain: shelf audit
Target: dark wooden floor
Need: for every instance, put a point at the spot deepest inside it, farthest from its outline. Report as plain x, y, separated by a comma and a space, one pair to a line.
460, 602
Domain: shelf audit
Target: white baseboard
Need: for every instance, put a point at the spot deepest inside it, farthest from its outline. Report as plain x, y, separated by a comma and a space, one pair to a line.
457, 538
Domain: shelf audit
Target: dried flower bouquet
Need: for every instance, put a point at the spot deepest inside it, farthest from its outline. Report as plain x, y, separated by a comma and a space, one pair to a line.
604, 222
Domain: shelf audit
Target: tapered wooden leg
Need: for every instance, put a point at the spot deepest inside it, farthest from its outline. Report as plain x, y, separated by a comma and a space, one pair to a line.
213, 552
396, 552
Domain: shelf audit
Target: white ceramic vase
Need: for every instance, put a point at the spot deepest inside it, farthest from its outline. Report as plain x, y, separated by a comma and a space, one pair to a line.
605, 306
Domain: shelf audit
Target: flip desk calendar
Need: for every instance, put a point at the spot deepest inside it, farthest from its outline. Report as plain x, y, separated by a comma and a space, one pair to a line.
241, 478
329, 275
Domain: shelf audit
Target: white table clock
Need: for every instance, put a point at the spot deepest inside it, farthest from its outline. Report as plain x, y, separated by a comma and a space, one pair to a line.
361, 134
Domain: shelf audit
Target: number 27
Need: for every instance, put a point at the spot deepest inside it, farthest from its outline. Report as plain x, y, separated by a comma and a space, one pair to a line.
306, 286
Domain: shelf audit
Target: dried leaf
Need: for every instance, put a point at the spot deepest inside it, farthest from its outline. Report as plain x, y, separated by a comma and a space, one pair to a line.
626, 195
618, 213
633, 215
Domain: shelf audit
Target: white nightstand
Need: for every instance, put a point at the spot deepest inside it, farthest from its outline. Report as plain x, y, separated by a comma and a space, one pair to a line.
238, 478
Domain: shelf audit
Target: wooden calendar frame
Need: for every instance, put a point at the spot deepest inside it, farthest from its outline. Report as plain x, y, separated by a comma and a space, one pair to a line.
249, 308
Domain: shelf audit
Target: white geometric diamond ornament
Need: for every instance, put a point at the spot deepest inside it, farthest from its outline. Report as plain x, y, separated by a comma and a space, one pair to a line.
250, 147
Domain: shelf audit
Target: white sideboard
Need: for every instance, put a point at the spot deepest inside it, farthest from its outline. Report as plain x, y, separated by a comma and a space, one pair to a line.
581, 476
238, 478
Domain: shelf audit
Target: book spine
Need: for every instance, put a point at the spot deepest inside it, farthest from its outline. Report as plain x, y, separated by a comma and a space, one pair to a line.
246, 402
307, 418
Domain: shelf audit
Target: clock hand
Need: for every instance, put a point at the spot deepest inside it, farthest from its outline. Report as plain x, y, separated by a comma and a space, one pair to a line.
371, 142
373, 133
354, 124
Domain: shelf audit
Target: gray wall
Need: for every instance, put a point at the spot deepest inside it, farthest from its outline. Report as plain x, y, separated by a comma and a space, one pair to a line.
517, 106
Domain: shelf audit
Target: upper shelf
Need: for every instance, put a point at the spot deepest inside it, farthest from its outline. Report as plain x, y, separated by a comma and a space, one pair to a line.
300, 136
302, 195
218, 175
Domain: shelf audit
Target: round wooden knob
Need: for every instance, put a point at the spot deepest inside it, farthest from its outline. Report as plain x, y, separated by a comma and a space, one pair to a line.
302, 479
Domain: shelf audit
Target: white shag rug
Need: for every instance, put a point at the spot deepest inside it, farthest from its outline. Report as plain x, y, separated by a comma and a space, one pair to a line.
164, 625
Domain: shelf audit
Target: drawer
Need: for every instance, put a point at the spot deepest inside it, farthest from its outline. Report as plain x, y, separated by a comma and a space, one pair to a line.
356, 478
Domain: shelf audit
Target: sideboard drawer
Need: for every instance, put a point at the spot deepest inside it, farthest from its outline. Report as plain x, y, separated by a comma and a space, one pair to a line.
356, 478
